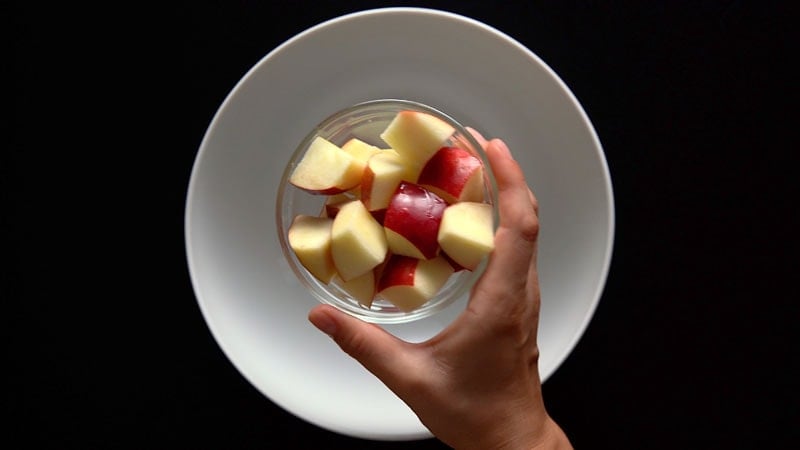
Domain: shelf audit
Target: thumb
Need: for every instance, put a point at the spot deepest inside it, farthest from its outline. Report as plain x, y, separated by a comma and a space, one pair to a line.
383, 354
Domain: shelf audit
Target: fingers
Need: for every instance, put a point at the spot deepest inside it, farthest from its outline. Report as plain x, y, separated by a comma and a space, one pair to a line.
517, 204
484, 143
518, 230
478, 137
386, 356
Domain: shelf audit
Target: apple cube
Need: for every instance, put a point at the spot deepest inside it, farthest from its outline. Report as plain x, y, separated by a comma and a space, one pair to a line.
326, 169
416, 136
333, 203
358, 242
412, 221
382, 175
310, 239
454, 174
466, 233
360, 151
361, 288
408, 283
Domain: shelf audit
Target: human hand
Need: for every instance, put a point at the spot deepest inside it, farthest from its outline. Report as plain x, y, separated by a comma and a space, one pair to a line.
476, 384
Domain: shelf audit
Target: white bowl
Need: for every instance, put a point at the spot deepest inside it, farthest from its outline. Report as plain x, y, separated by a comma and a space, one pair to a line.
253, 303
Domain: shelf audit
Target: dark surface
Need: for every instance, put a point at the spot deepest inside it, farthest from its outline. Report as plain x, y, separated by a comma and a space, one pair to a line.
690, 346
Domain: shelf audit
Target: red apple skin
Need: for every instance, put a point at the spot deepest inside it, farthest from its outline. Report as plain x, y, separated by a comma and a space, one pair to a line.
329, 191
398, 270
379, 215
448, 171
456, 266
416, 213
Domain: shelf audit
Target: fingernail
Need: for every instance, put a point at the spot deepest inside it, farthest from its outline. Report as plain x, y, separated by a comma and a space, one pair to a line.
324, 323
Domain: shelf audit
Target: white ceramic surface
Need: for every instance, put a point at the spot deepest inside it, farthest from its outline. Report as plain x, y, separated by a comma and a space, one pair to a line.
254, 305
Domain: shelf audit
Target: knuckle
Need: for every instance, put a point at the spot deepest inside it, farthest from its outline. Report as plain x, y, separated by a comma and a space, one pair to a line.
529, 227
355, 345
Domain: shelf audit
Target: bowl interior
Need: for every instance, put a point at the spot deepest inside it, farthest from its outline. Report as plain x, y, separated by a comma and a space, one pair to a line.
366, 121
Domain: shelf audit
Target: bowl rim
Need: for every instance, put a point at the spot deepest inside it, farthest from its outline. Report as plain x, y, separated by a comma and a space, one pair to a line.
325, 295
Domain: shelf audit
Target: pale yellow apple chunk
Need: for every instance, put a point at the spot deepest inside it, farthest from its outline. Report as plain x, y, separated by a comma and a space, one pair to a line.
361, 288
360, 150
310, 239
358, 242
383, 174
416, 136
326, 169
466, 233
429, 277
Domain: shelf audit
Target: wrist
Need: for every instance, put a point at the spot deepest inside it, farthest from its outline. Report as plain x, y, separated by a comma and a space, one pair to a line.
552, 437
522, 431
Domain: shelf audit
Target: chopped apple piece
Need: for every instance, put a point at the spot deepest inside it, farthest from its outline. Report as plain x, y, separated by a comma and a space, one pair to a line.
360, 150
416, 136
358, 242
454, 174
408, 283
466, 233
326, 169
412, 221
382, 175
361, 288
310, 238
333, 203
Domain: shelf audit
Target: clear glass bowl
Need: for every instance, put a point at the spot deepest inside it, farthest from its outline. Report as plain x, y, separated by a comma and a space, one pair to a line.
367, 121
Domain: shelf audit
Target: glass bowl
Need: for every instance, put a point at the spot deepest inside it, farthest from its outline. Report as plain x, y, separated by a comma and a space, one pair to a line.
366, 121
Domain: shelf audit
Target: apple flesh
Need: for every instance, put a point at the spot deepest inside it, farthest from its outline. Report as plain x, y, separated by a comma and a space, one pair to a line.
466, 233
412, 221
382, 175
361, 288
326, 169
310, 239
416, 136
454, 174
409, 283
358, 242
360, 151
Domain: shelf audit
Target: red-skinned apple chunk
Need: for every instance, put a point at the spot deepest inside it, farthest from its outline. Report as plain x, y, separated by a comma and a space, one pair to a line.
310, 238
466, 233
326, 169
408, 282
358, 242
416, 136
412, 221
382, 175
454, 174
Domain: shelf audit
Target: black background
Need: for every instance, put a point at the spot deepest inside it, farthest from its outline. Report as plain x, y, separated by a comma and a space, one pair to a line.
105, 347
